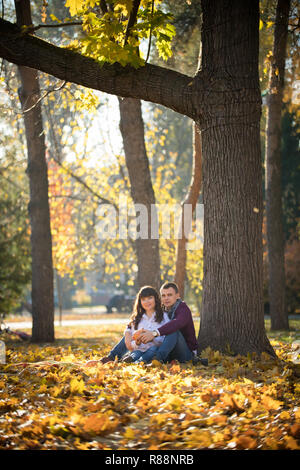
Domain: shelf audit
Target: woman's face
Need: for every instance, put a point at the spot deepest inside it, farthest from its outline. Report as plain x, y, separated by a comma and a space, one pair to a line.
148, 303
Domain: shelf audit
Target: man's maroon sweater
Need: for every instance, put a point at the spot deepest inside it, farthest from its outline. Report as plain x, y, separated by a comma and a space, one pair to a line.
182, 321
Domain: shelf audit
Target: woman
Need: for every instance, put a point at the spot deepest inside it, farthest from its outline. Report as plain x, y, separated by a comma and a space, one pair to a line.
147, 315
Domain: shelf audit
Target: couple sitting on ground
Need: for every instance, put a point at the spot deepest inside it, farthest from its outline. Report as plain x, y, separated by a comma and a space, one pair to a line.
161, 329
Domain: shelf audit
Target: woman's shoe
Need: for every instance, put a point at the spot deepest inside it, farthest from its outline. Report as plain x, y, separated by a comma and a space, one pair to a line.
128, 359
106, 359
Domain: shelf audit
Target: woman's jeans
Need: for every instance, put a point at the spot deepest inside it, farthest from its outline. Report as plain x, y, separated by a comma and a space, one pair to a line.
173, 347
144, 356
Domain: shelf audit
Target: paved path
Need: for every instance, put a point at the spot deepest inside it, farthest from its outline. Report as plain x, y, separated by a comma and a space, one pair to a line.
103, 321
97, 321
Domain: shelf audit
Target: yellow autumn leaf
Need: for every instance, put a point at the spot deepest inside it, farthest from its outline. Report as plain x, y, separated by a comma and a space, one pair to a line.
76, 386
129, 433
219, 420
56, 391
74, 6
291, 443
248, 381
284, 415
157, 419
270, 404
174, 401
98, 423
246, 442
297, 414
199, 439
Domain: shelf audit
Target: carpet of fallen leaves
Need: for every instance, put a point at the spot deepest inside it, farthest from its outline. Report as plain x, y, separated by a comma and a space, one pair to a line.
49, 399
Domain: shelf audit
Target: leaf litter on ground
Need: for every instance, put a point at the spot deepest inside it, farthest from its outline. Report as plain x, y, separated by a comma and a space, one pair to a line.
50, 399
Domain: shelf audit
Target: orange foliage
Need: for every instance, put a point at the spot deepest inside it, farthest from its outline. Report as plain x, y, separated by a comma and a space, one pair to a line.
62, 227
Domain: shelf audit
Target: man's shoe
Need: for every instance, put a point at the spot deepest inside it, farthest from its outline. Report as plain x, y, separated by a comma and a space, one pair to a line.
198, 360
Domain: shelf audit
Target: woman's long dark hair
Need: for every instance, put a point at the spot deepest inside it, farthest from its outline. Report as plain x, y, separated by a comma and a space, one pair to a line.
138, 310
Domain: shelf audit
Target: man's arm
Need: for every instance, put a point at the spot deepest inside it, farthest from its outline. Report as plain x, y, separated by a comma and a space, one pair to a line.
183, 315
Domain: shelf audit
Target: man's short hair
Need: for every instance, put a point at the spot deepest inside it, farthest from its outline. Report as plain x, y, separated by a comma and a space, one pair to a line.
167, 285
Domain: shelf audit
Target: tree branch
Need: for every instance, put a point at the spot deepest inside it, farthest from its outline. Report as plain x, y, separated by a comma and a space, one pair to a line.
132, 19
52, 90
32, 28
150, 83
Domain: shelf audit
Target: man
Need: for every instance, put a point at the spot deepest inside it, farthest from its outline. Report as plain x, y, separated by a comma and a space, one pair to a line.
180, 339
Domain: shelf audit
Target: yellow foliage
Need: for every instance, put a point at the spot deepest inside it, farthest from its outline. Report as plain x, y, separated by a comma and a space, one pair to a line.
75, 6
77, 386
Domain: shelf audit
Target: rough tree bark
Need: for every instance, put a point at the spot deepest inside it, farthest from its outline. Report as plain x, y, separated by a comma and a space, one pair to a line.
191, 198
224, 100
41, 244
275, 237
132, 130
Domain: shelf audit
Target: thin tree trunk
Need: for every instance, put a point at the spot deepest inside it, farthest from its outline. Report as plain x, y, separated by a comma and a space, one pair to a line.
41, 245
275, 237
232, 318
132, 130
191, 198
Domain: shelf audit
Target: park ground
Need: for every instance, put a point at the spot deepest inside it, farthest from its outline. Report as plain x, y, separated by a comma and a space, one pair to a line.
50, 399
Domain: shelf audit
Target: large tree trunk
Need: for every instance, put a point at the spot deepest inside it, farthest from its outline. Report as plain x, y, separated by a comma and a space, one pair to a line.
191, 198
232, 312
41, 245
275, 238
132, 130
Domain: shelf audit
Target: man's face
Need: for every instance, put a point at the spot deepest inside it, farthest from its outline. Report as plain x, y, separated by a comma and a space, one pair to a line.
169, 297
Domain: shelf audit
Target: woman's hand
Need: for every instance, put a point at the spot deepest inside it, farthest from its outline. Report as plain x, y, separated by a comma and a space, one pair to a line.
147, 336
137, 336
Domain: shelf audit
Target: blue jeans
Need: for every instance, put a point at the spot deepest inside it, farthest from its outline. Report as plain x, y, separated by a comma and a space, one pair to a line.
119, 350
173, 347
144, 356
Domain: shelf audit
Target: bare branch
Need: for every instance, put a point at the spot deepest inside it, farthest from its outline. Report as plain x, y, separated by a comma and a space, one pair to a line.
44, 96
132, 19
33, 28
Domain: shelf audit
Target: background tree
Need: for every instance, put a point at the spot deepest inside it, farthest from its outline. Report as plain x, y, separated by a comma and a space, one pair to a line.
279, 318
41, 245
132, 130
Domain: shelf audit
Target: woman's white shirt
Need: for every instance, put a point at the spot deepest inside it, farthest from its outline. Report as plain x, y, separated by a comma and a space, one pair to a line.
148, 323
